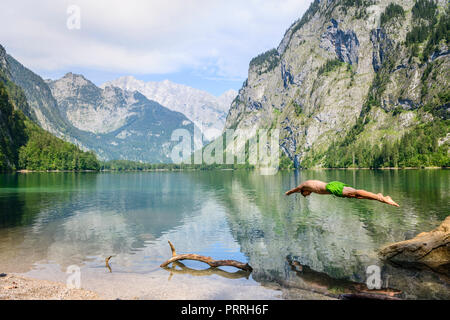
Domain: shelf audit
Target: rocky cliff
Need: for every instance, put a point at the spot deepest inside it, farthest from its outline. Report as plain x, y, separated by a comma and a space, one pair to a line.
350, 80
43, 105
126, 125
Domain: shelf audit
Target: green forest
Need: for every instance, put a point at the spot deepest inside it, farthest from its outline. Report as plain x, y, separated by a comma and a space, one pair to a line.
417, 148
126, 165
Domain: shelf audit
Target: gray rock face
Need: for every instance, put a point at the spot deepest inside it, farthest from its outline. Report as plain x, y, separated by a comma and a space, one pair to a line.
315, 110
253, 105
344, 43
288, 78
381, 45
441, 53
90, 108
407, 104
44, 109
283, 44
2, 58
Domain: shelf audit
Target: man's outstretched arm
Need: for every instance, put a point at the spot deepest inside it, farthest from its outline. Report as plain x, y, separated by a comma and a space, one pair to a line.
296, 189
309, 186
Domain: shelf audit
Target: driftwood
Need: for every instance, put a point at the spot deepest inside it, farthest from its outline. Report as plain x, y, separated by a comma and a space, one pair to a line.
107, 263
208, 260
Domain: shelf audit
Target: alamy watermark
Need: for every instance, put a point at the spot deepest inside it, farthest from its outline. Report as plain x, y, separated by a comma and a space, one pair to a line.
73, 281
373, 281
259, 148
73, 21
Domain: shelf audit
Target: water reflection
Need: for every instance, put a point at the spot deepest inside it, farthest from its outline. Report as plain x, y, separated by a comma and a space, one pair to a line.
323, 283
68, 218
84, 218
178, 267
337, 237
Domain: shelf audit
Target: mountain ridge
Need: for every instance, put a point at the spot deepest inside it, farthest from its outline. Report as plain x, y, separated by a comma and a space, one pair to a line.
129, 137
24, 145
207, 111
127, 124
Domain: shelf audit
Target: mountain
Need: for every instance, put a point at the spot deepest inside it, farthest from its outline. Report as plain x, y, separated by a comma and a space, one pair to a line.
125, 123
114, 123
24, 145
208, 112
362, 83
43, 107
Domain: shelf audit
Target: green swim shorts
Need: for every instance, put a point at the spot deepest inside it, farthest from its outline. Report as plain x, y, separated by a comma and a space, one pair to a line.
336, 188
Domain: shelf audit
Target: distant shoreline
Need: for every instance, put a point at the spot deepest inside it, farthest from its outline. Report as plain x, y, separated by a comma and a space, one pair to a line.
382, 168
51, 171
216, 169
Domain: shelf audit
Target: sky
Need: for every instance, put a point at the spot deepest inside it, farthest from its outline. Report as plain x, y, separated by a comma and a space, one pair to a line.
205, 44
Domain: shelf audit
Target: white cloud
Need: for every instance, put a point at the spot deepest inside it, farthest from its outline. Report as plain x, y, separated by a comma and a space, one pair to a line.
213, 38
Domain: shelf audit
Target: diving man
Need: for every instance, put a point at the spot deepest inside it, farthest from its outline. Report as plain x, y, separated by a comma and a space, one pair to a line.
339, 189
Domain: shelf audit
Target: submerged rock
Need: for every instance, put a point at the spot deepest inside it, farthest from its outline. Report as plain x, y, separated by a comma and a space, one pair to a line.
429, 249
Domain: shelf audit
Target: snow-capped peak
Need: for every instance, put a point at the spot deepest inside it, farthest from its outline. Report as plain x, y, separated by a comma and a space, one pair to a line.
204, 109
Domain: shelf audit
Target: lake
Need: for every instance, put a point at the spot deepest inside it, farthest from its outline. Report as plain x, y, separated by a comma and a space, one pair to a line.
299, 248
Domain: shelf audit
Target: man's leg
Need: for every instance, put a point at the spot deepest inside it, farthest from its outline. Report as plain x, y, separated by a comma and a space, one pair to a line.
363, 194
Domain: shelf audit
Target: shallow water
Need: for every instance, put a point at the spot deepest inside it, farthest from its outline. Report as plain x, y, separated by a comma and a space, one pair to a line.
299, 248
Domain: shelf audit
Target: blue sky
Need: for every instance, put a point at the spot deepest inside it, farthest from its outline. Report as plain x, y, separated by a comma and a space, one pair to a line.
205, 44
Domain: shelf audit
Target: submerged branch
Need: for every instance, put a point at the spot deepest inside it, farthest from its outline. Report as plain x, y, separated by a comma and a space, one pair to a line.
107, 263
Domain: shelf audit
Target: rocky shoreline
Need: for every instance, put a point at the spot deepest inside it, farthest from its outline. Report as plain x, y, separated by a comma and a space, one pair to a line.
427, 250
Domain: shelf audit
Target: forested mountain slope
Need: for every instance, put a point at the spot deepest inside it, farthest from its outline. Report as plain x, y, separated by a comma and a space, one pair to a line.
24, 145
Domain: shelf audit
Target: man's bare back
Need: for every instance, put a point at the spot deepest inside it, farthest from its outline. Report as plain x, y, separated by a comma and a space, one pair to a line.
339, 189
